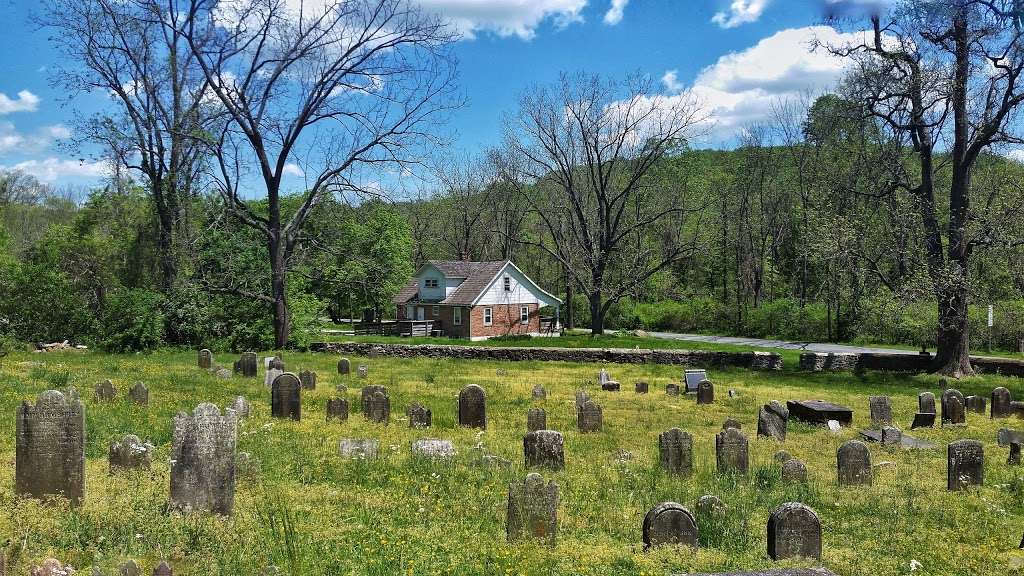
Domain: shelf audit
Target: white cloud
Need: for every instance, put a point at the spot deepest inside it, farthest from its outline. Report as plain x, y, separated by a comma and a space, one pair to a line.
1017, 154
25, 102
741, 87
671, 82
740, 12
52, 169
614, 14
507, 17
11, 140
293, 169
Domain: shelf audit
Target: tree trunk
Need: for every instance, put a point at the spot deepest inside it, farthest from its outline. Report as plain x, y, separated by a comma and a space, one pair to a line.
570, 315
278, 294
596, 314
953, 355
165, 248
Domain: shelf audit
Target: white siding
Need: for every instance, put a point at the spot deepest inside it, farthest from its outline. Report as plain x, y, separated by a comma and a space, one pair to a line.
521, 290
450, 284
438, 293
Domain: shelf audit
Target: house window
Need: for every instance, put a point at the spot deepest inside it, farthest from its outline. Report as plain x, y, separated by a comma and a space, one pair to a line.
408, 313
430, 283
524, 314
457, 318
508, 284
488, 318
434, 311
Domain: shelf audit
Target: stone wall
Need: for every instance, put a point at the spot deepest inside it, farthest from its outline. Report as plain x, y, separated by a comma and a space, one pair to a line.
691, 358
913, 363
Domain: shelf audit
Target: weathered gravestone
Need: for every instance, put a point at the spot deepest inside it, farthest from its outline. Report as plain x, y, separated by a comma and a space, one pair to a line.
271, 374
1001, 403
50, 447
641, 387
782, 456
923, 420
732, 423
926, 402
106, 390
52, 567
286, 397
378, 408
129, 568
794, 531
544, 449
606, 381
532, 510
818, 412
130, 453
277, 363
222, 373
669, 523
359, 448
241, 407
710, 505
473, 407
794, 471
589, 417
880, 408
1006, 436
672, 389
539, 393
139, 394
248, 364
581, 398
308, 379
363, 371
344, 366
892, 437
705, 392
367, 392
965, 464
854, 464
419, 416
772, 420
675, 452
731, 451
953, 411
536, 419
337, 409
203, 460
1014, 457
163, 569
433, 449
1017, 408
975, 404
205, 359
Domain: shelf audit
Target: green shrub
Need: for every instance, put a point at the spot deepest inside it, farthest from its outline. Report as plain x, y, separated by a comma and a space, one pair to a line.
132, 321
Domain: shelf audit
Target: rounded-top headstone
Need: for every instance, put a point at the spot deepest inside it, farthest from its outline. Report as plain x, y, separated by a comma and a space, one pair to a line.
675, 452
926, 403
473, 407
544, 448
794, 471
794, 531
344, 366
539, 393
1001, 403
705, 392
854, 464
286, 396
669, 523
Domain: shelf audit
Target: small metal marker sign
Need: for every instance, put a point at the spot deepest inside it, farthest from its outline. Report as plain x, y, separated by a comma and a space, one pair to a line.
990, 317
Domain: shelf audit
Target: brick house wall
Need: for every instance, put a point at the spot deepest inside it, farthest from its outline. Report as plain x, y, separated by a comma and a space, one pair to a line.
445, 319
505, 320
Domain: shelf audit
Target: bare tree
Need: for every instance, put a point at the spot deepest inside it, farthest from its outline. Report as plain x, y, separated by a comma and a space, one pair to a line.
122, 48
944, 76
331, 90
612, 220
464, 204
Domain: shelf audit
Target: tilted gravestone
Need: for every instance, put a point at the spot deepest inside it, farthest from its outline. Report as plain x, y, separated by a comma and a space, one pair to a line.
891, 437
794, 471
819, 412
923, 420
337, 409
106, 390
669, 523
926, 402
1001, 403
854, 464
130, 453
241, 407
731, 451
705, 392
129, 568
50, 447
953, 410
139, 394
794, 531
965, 464
344, 366
975, 404
286, 397
378, 408
672, 389
589, 418
772, 420
419, 416
248, 364
473, 407
205, 359
536, 419
1007, 436
203, 460
544, 449
880, 408
163, 570
642, 387
539, 393
359, 448
532, 510
1014, 458
308, 379
675, 452
367, 392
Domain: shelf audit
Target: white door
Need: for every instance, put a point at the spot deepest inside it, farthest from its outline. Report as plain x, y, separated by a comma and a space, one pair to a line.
420, 314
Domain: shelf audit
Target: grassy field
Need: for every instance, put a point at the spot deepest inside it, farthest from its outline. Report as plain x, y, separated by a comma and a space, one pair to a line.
309, 512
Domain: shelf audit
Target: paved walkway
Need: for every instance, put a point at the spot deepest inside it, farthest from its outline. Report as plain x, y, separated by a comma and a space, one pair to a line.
762, 343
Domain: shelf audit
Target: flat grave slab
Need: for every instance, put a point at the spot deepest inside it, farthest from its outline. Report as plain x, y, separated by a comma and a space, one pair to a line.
819, 412
693, 377
907, 441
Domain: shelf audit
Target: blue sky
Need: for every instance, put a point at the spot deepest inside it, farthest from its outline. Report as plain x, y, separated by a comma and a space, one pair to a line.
736, 56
